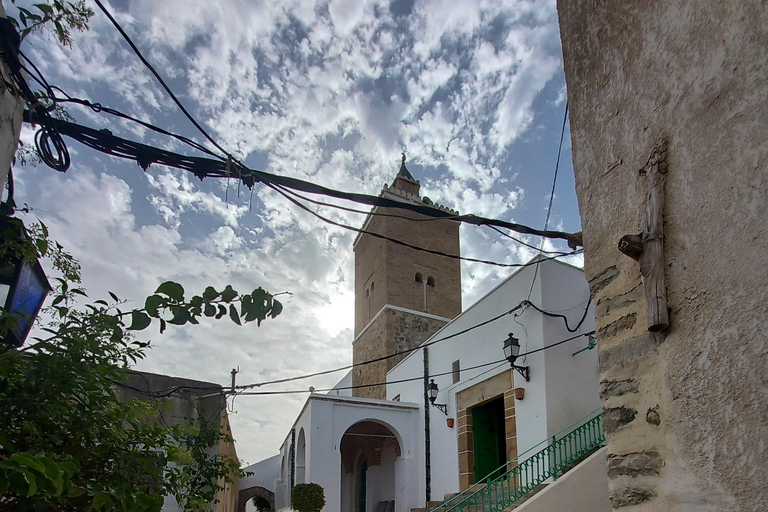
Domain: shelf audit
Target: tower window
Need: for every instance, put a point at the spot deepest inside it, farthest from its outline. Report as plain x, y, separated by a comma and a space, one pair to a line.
372, 285
431, 281
418, 278
366, 293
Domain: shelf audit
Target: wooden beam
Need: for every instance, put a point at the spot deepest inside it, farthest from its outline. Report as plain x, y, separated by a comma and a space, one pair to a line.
648, 247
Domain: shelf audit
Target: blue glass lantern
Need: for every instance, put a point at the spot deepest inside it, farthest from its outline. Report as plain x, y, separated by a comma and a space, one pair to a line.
23, 288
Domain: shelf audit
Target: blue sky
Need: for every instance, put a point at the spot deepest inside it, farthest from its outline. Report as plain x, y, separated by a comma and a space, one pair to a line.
330, 92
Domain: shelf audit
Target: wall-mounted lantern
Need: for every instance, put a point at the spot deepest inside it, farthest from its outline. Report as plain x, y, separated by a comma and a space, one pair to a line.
23, 287
432, 393
511, 351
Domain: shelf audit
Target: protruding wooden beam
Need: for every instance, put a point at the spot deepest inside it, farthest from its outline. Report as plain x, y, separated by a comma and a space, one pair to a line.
648, 247
631, 245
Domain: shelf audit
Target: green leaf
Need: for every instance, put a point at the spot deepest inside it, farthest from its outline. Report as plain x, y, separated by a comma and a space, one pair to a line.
139, 320
222, 311
210, 294
209, 310
152, 304
163, 325
259, 294
180, 316
228, 294
173, 290
101, 500
277, 308
233, 314
114, 297
4, 482
47, 9
25, 461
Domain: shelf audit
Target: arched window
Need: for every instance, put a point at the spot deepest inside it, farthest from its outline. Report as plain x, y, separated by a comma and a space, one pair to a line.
367, 292
418, 278
372, 286
431, 281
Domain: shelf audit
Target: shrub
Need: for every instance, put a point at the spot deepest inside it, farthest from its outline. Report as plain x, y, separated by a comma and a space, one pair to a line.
307, 498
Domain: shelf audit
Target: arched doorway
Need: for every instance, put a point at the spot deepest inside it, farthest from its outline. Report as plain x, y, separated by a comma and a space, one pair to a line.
301, 458
369, 451
262, 499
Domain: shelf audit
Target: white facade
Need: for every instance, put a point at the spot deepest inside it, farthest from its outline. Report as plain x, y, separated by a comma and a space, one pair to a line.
563, 389
314, 449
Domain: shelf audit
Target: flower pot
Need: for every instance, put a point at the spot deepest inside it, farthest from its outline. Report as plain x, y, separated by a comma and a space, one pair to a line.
519, 393
449, 422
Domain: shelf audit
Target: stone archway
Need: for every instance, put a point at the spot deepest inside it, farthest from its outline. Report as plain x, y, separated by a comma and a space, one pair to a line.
255, 492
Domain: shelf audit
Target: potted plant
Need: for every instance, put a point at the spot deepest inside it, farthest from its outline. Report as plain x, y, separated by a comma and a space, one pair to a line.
307, 498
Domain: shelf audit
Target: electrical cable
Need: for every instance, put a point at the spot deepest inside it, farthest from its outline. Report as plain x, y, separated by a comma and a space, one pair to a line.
162, 82
551, 194
519, 306
392, 215
557, 315
379, 359
304, 207
297, 184
411, 379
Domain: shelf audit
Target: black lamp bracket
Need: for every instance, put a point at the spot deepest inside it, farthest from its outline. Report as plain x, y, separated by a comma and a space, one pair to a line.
525, 371
442, 407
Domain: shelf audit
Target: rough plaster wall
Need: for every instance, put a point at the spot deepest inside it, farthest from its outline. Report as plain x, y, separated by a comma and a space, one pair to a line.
686, 412
11, 109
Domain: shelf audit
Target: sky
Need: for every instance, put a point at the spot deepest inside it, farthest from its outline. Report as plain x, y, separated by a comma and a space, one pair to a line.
327, 91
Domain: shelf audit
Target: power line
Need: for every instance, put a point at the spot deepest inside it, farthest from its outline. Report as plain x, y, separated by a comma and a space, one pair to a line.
144, 155
519, 306
411, 379
162, 82
282, 191
551, 194
519, 228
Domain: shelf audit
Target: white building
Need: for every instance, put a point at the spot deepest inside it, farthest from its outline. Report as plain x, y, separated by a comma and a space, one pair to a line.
388, 448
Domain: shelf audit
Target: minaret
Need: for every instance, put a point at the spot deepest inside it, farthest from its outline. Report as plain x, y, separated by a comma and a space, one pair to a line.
402, 295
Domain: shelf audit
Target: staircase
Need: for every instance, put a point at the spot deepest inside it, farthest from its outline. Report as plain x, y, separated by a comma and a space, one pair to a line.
523, 479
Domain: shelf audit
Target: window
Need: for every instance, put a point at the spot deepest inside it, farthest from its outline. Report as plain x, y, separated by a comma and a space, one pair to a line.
366, 293
372, 284
418, 278
456, 371
431, 281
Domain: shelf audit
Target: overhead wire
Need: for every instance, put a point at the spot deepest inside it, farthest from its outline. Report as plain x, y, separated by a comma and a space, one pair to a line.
410, 379
551, 194
282, 191
297, 184
390, 356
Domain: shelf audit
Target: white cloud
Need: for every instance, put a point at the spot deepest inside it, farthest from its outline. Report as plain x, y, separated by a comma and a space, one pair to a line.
326, 91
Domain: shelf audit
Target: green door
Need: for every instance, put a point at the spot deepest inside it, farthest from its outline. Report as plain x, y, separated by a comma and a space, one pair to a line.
489, 437
363, 485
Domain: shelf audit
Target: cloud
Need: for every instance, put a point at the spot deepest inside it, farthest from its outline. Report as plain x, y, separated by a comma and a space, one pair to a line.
330, 92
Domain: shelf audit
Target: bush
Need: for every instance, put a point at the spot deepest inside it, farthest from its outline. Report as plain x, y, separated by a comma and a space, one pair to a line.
307, 498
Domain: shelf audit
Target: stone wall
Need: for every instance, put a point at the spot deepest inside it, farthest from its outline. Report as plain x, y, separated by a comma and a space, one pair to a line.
685, 410
392, 268
392, 331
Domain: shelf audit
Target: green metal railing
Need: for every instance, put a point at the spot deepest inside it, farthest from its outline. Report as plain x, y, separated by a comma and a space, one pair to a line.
494, 494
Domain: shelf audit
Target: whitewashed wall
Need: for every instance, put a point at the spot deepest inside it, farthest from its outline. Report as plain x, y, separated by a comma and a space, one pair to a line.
562, 389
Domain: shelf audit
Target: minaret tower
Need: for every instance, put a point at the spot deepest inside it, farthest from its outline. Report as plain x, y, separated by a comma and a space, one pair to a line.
402, 295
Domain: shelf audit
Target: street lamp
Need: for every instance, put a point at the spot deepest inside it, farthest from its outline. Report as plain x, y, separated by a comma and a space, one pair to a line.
23, 287
511, 351
432, 390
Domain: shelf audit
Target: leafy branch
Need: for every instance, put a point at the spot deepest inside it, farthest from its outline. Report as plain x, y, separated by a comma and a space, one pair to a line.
64, 16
